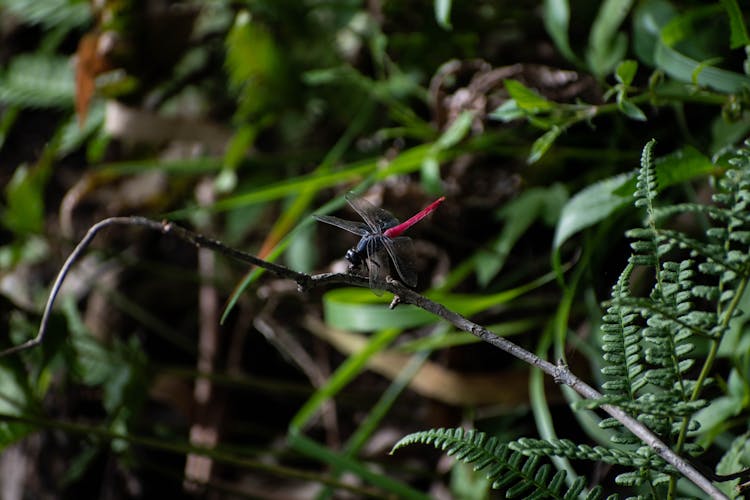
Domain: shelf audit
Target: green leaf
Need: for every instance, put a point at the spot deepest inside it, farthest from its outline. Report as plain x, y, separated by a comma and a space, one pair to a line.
507, 112
118, 369
14, 401
713, 418
8, 117
80, 464
648, 19
342, 462
542, 144
606, 45
38, 81
443, 13
686, 69
629, 109
702, 65
123, 393
254, 66
685, 25
430, 174
50, 14
19, 392
738, 31
518, 215
457, 338
344, 374
679, 166
24, 194
469, 484
408, 161
625, 71
598, 201
301, 253
14, 389
456, 132
733, 461
74, 135
527, 99
239, 145
359, 310
556, 17
90, 362
589, 206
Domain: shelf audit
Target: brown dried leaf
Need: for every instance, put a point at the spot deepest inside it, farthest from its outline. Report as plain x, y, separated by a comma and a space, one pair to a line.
91, 62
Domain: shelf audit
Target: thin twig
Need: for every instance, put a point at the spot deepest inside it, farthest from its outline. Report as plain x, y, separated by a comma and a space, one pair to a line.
559, 372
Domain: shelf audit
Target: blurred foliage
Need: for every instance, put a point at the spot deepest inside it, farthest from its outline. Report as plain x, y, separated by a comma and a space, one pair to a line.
241, 119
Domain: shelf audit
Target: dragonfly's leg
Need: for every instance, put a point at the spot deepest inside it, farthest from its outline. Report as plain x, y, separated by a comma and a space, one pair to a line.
356, 269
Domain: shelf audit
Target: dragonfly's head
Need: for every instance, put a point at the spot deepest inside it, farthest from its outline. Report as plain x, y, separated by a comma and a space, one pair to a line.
354, 257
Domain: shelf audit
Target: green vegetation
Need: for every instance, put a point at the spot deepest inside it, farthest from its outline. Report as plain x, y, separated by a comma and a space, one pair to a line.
168, 369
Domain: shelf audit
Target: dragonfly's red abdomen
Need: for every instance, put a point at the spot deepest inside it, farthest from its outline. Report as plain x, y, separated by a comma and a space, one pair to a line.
400, 228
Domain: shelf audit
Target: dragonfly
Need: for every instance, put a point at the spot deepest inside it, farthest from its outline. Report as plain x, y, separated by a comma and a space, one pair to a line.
380, 240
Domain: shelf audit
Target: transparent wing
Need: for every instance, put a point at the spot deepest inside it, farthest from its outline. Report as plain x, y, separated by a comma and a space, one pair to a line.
377, 218
359, 228
377, 265
403, 256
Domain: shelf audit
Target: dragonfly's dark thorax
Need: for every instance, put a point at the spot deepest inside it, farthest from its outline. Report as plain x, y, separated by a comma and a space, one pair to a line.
357, 254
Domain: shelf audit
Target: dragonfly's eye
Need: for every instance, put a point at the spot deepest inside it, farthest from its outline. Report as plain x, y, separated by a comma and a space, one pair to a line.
353, 257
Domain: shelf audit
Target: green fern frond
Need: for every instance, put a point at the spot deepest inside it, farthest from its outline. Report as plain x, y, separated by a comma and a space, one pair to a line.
645, 192
38, 81
712, 251
621, 344
637, 478
569, 449
467, 446
735, 197
646, 183
647, 342
710, 211
514, 472
648, 404
694, 297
